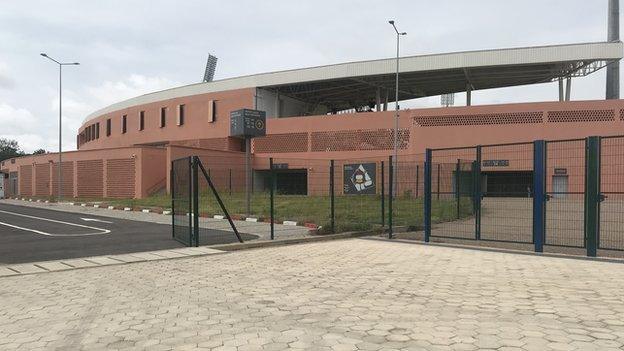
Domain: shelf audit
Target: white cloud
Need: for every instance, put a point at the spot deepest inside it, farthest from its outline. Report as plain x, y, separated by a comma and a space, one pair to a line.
111, 92
6, 82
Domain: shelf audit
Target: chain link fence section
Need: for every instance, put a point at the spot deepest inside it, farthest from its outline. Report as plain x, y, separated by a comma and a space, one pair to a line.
453, 193
181, 201
407, 205
565, 191
611, 233
507, 190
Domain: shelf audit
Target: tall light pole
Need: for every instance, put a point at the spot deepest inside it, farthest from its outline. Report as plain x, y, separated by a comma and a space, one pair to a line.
60, 165
396, 101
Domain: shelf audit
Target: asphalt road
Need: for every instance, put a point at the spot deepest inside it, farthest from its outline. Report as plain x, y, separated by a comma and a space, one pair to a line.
30, 234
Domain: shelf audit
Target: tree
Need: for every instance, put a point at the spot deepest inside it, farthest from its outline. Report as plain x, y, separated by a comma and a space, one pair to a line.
9, 149
39, 152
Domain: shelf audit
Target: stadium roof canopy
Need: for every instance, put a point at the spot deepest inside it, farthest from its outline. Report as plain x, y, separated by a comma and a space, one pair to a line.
354, 84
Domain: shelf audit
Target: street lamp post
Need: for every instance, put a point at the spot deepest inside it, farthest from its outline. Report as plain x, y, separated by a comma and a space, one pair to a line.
396, 100
60, 165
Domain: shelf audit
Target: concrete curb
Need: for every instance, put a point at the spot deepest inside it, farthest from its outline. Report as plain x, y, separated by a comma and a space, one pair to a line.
295, 241
501, 250
20, 269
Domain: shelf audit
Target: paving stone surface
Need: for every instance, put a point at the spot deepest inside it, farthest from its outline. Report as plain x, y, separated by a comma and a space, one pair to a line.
341, 295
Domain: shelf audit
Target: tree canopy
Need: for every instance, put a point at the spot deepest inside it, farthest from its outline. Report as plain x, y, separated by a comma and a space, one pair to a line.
9, 149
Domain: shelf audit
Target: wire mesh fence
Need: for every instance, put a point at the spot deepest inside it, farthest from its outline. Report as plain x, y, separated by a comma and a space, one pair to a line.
565, 189
507, 189
408, 188
181, 200
453, 193
611, 228
483, 193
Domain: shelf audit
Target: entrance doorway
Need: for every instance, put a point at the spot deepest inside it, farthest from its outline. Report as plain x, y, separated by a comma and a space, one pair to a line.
559, 186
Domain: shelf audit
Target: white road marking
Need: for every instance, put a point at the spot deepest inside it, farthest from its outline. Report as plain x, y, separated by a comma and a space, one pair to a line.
100, 231
94, 220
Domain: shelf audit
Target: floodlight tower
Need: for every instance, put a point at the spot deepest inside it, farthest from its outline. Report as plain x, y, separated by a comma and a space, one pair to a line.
613, 34
211, 66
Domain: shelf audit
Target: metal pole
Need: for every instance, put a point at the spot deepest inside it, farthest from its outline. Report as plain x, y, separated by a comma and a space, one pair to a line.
396, 108
272, 191
613, 35
383, 196
391, 186
457, 179
60, 166
427, 189
396, 101
331, 196
248, 175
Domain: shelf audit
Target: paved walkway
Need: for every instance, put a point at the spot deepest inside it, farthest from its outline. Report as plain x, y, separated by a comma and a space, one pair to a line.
341, 295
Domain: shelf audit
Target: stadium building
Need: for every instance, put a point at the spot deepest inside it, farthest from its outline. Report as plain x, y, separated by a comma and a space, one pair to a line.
342, 111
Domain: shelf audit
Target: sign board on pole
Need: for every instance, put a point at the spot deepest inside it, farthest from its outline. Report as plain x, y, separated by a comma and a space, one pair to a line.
246, 123
360, 179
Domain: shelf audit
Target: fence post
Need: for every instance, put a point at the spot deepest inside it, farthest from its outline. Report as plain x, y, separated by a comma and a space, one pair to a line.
230, 182
539, 194
172, 191
592, 194
427, 201
190, 200
438, 182
391, 193
417, 179
272, 191
383, 196
195, 202
457, 180
331, 196
477, 193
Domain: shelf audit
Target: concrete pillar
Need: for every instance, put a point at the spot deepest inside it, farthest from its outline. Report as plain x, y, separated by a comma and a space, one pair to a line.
468, 95
561, 97
385, 105
613, 34
378, 100
277, 105
568, 89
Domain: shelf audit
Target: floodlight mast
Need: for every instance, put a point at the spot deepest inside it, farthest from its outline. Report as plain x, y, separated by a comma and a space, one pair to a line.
60, 161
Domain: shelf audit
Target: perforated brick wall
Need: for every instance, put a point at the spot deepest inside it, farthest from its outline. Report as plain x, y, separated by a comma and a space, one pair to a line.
479, 119
67, 179
25, 180
120, 178
42, 179
355, 140
581, 116
276, 143
90, 178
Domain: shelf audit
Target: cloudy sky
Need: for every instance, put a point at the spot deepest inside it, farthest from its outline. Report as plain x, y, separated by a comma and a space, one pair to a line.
130, 47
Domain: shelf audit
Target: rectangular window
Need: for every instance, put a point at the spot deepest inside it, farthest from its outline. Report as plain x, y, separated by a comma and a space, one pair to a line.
97, 130
141, 120
93, 132
124, 124
211, 111
163, 117
108, 127
180, 115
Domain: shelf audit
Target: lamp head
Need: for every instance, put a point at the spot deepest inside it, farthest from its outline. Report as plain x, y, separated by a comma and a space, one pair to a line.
391, 22
43, 54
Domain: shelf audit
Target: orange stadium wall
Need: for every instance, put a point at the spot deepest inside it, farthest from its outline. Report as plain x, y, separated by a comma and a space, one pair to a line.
308, 142
112, 173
